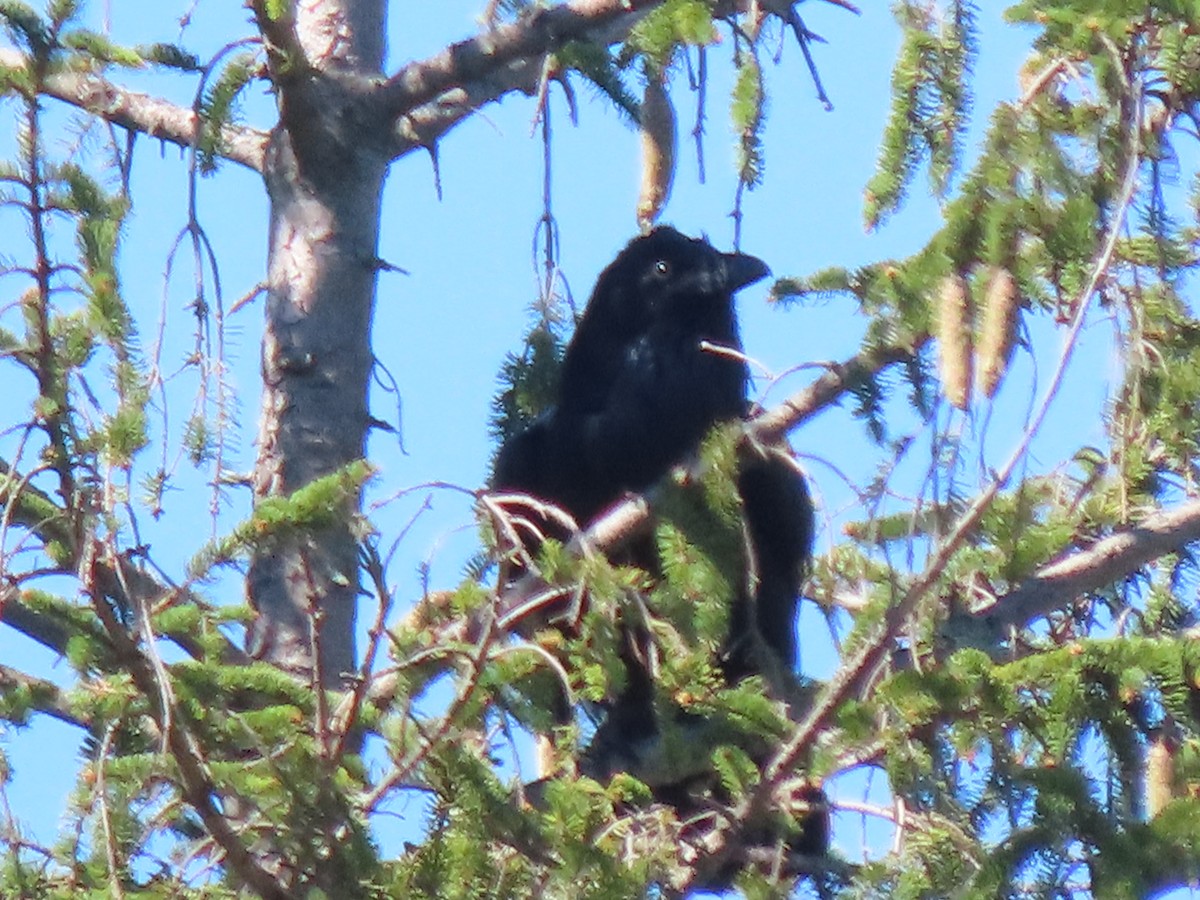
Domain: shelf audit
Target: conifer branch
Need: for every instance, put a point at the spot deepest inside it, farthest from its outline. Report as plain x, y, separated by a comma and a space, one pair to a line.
47, 630
44, 696
145, 114
54, 634
196, 784
857, 671
33, 509
530, 595
1109, 560
149, 591
539, 31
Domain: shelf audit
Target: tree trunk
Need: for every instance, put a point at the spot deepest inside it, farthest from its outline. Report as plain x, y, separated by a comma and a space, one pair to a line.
324, 177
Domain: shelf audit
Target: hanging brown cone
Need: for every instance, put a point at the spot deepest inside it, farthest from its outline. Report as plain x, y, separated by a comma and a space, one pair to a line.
1160, 773
953, 324
998, 332
657, 119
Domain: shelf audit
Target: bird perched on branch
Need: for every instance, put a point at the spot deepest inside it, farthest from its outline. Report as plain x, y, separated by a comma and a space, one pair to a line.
655, 362
643, 378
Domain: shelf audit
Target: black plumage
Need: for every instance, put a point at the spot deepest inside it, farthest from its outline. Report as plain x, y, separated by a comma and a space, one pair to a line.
638, 390
653, 365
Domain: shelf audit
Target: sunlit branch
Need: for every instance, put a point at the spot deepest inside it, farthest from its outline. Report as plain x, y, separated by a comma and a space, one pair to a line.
1107, 561
425, 124
541, 30
146, 114
837, 380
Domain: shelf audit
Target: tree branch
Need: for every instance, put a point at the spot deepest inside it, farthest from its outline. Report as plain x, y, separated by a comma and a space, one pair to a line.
33, 509
149, 591
144, 113
285, 53
426, 98
424, 125
774, 424
196, 784
46, 630
537, 32
530, 595
1107, 561
54, 633
44, 696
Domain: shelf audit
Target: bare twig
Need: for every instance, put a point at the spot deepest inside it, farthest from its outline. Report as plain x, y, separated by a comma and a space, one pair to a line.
110, 845
866, 809
1038, 83
466, 690
826, 390
346, 715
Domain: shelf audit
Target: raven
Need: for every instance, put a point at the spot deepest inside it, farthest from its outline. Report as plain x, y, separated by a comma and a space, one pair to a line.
653, 365
643, 378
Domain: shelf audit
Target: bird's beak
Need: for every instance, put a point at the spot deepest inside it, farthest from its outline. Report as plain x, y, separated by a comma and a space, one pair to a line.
741, 270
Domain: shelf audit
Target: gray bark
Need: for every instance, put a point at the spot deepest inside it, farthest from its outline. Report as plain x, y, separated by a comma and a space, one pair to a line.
340, 124
324, 179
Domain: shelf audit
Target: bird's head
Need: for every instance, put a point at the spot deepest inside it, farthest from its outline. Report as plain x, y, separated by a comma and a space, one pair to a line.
665, 276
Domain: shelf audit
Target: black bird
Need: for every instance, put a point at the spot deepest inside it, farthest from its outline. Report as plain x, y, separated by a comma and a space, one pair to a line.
653, 365
639, 388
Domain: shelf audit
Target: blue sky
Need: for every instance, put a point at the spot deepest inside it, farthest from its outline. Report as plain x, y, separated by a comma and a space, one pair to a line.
443, 329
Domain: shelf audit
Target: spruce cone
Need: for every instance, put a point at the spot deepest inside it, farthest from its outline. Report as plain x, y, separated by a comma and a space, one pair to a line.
998, 332
953, 324
658, 150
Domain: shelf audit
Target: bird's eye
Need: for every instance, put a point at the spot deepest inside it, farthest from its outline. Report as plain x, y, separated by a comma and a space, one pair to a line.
662, 268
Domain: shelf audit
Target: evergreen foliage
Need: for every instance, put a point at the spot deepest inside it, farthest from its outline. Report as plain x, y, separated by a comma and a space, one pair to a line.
1009, 701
